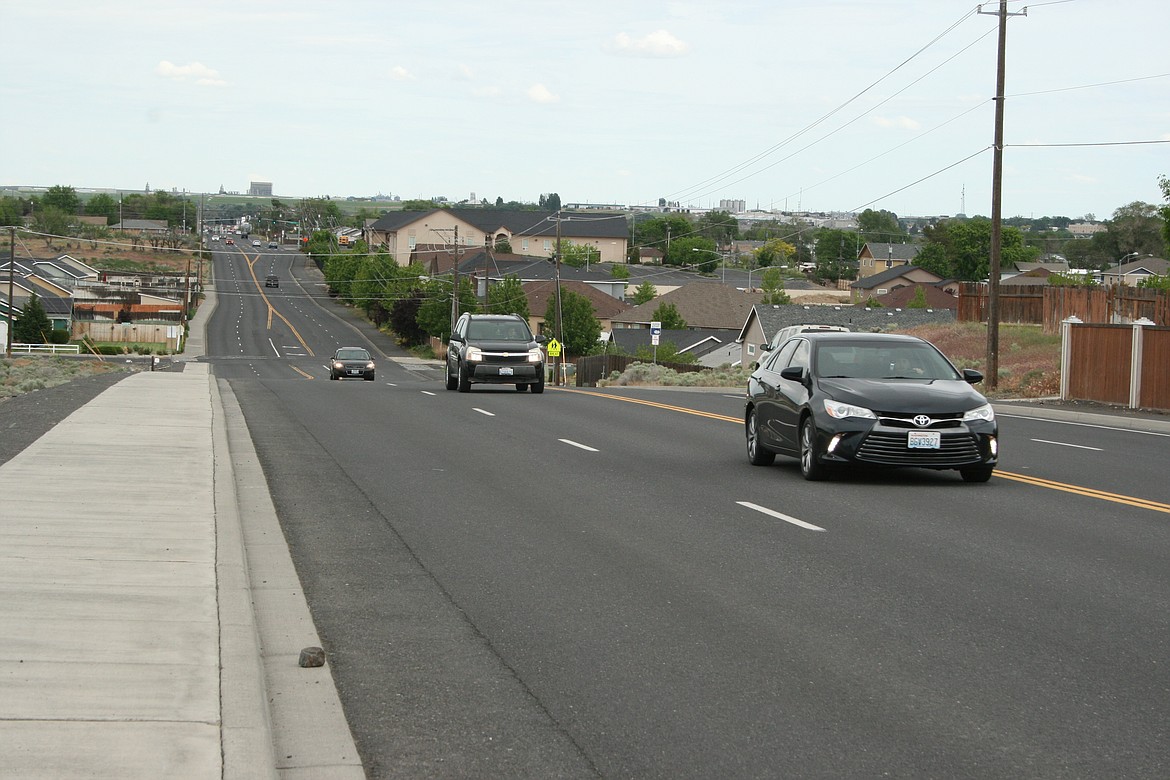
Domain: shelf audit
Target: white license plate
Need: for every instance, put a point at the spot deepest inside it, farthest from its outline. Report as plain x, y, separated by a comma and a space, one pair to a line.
505, 372
924, 440
355, 371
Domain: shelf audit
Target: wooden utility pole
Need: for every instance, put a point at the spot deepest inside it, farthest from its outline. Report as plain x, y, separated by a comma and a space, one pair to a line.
560, 324
11, 281
455, 286
992, 364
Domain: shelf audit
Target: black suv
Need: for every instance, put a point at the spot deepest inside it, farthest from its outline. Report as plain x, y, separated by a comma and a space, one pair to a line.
495, 348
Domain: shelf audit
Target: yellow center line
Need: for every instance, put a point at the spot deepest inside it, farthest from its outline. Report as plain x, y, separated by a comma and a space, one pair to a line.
1140, 503
272, 309
302, 373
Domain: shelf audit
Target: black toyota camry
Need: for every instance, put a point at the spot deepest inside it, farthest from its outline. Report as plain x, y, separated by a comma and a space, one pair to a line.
871, 399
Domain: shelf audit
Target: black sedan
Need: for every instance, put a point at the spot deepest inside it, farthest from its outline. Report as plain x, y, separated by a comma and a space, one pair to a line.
351, 362
868, 399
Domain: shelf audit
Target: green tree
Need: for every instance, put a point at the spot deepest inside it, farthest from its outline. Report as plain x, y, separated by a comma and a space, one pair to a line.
434, 314
1136, 227
404, 319
34, 326
774, 252
64, 198
11, 211
667, 314
667, 352
880, 226
550, 202
1164, 183
919, 299
644, 293
773, 286
581, 328
502, 246
507, 297
720, 226
578, 255
836, 253
655, 231
961, 249
51, 220
102, 205
619, 271
693, 251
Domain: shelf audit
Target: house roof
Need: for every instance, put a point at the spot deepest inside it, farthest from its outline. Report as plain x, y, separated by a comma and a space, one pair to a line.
859, 318
700, 304
936, 298
539, 293
879, 251
518, 223
1143, 265
698, 342
889, 275
141, 224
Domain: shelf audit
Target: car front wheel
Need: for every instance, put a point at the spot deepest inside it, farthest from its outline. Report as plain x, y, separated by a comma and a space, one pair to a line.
757, 455
977, 473
538, 385
452, 381
810, 466
464, 380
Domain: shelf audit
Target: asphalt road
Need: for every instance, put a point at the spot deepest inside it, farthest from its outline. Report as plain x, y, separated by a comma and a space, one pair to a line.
580, 583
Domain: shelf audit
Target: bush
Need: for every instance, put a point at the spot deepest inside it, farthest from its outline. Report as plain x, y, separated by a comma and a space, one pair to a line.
59, 337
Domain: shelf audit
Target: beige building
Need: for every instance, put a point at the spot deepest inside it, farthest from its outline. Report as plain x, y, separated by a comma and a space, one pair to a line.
532, 233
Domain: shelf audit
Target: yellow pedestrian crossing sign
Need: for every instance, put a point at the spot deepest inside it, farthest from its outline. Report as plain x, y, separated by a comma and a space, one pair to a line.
554, 348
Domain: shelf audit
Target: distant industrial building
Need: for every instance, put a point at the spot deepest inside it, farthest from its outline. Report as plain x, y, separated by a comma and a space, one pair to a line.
261, 188
733, 206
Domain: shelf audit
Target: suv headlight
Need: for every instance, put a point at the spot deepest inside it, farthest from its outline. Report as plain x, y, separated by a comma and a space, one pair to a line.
984, 412
842, 410
474, 353
535, 355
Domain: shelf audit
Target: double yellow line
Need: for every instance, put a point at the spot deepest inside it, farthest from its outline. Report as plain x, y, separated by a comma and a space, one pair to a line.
1140, 503
272, 309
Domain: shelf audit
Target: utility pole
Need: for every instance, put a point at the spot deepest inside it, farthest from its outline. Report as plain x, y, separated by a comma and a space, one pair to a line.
560, 324
992, 373
455, 287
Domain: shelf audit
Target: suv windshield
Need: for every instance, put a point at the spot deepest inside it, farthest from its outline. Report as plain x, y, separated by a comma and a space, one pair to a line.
497, 331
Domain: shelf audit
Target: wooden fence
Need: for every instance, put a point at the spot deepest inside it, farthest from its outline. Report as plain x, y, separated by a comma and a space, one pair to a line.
130, 333
1116, 364
1049, 305
593, 368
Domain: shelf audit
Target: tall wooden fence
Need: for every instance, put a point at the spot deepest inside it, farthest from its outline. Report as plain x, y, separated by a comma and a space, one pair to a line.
1049, 305
1116, 364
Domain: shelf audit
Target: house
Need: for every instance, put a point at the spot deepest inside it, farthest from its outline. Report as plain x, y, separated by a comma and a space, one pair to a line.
700, 304
712, 347
895, 277
648, 255
1134, 271
142, 226
875, 258
763, 321
527, 232
540, 293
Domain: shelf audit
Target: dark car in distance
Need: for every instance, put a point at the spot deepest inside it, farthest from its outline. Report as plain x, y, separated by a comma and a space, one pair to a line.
868, 399
272, 280
351, 363
495, 349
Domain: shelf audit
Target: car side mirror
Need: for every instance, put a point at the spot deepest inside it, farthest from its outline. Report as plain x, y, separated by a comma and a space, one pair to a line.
455, 337
793, 373
542, 339
766, 347
971, 376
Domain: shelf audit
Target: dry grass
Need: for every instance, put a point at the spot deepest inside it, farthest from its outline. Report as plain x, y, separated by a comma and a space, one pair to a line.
25, 374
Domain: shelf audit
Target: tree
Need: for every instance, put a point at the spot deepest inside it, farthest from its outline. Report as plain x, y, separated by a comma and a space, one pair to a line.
919, 299
34, 326
720, 226
434, 313
659, 232
102, 205
578, 255
773, 286
51, 221
618, 271
667, 352
64, 198
1164, 183
581, 328
693, 251
961, 249
550, 202
404, 319
507, 297
774, 252
836, 253
644, 293
667, 314
1137, 227
11, 211
880, 226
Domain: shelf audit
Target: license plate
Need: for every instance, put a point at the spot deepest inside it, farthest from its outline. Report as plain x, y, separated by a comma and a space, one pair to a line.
354, 371
924, 440
505, 372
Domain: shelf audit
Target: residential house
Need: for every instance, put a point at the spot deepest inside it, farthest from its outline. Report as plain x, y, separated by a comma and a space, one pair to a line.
1134, 271
712, 347
875, 258
763, 321
895, 277
700, 304
648, 255
527, 232
541, 293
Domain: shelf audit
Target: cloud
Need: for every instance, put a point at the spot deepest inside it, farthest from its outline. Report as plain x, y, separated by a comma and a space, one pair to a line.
399, 73
194, 71
539, 93
466, 72
659, 43
900, 122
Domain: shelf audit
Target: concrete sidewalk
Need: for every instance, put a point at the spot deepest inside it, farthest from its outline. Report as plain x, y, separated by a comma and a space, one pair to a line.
151, 617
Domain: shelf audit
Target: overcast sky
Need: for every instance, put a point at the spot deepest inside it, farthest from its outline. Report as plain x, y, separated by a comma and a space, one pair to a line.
821, 105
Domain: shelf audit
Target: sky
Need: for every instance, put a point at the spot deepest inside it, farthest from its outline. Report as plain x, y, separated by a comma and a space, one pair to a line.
814, 105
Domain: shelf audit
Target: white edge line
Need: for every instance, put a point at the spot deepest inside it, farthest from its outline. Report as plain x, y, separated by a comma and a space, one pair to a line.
484, 412
572, 443
779, 516
274, 349
427, 392
1066, 444
1083, 425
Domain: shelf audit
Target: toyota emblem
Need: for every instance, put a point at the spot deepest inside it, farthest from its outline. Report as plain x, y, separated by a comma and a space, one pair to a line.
921, 420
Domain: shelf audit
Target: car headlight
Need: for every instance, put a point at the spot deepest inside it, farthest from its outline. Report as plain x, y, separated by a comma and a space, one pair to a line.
843, 410
337, 364
370, 365
535, 355
985, 413
474, 353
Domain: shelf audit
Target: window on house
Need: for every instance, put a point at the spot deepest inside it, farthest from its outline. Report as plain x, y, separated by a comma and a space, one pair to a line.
410, 242
547, 245
525, 244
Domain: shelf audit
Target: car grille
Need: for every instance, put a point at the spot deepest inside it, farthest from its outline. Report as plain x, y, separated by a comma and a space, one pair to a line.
889, 449
505, 358
937, 422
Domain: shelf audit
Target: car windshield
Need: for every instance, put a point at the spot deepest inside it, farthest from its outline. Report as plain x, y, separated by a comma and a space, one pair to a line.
352, 354
882, 361
497, 331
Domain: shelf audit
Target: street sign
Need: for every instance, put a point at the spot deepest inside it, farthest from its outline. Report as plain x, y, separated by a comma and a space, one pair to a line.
654, 338
656, 329
554, 348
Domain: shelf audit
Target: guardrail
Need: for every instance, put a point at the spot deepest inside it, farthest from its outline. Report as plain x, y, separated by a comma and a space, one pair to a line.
46, 349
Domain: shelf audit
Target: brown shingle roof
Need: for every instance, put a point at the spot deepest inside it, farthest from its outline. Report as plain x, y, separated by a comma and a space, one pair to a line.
701, 305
